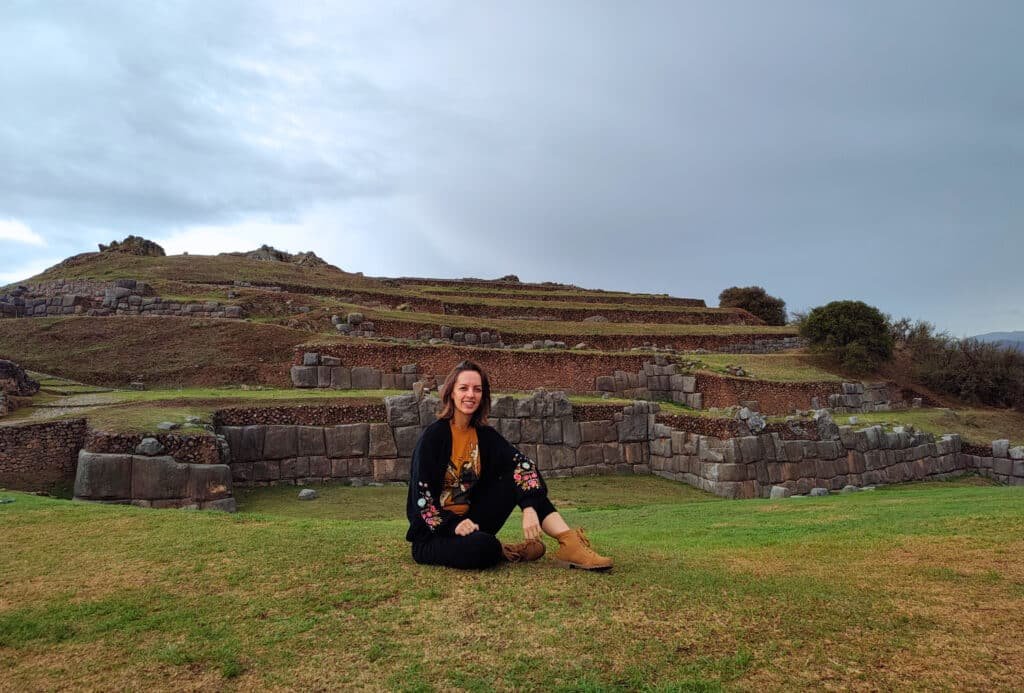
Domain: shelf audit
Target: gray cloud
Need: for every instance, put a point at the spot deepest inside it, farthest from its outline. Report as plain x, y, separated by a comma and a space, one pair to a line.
870, 150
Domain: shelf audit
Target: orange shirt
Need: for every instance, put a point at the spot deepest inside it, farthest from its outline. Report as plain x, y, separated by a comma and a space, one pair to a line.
463, 470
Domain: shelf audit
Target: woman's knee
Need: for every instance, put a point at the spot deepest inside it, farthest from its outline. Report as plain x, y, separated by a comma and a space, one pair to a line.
483, 551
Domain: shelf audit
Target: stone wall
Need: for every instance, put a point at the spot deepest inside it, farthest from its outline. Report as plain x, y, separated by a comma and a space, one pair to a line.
691, 316
355, 452
858, 398
1004, 464
40, 457
542, 426
520, 370
772, 397
120, 297
656, 380
192, 449
153, 481
749, 466
764, 346
632, 299
709, 454
327, 372
410, 329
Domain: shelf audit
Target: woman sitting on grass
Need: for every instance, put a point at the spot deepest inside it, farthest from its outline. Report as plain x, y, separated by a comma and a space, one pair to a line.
465, 480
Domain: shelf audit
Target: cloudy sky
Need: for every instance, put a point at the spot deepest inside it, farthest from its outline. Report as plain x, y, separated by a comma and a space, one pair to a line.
824, 150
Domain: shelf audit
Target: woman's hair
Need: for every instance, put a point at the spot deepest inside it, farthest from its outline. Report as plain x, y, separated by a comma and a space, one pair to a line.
446, 409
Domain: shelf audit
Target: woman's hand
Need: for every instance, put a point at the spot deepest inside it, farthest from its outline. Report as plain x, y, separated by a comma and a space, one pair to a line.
531, 525
466, 527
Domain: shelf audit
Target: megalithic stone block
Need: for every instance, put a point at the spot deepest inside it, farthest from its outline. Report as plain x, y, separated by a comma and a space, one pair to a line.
280, 442
402, 410
305, 376
209, 482
103, 476
159, 478
347, 440
310, 441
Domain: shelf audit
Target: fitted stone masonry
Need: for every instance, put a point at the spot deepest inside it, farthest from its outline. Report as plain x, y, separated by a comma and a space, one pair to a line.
631, 441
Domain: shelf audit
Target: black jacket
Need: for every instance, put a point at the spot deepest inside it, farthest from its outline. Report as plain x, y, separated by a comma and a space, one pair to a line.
430, 461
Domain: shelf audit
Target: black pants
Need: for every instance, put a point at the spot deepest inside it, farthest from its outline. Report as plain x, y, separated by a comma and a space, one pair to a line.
491, 506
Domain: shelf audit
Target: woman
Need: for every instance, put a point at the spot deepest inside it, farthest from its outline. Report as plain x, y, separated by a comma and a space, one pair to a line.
465, 480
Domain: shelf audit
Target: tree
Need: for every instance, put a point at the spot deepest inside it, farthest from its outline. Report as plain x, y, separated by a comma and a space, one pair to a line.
856, 334
755, 300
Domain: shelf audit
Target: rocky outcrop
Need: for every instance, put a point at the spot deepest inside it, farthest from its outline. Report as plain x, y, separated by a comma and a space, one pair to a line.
134, 245
14, 380
267, 253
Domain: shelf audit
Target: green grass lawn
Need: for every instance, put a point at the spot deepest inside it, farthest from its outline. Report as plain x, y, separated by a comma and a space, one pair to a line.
918, 587
792, 367
556, 327
975, 425
131, 411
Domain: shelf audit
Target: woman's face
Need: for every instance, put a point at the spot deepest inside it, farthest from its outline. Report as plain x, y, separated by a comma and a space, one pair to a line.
468, 391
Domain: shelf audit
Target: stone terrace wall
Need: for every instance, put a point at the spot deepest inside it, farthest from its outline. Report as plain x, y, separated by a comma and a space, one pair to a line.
40, 457
585, 298
705, 453
657, 380
305, 415
747, 467
542, 426
323, 371
772, 397
508, 370
153, 481
764, 345
516, 286
715, 342
727, 316
860, 398
192, 449
120, 297
1004, 464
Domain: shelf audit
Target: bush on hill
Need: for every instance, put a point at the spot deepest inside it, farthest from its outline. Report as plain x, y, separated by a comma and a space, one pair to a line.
756, 300
856, 334
965, 368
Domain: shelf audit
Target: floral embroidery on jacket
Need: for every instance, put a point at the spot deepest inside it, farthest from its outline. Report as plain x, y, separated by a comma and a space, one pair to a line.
428, 510
525, 473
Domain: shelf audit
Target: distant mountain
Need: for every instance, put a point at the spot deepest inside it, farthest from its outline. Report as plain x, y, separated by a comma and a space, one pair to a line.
1014, 340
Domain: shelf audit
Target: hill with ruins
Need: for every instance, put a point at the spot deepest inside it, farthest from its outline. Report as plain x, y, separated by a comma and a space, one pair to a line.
282, 368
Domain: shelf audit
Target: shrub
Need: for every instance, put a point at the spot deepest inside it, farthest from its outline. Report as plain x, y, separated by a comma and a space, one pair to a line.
965, 368
856, 334
755, 300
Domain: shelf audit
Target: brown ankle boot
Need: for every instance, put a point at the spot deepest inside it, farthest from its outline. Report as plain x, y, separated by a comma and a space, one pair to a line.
574, 552
529, 550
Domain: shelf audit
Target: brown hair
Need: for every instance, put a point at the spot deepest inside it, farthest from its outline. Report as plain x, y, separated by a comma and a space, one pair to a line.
446, 409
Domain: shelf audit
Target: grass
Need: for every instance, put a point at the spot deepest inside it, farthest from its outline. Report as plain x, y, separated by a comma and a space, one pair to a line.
128, 411
131, 411
977, 426
913, 587
667, 309
555, 327
199, 268
781, 367
165, 351
525, 291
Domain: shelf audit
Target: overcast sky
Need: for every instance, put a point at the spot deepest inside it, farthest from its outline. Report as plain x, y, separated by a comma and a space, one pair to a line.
824, 150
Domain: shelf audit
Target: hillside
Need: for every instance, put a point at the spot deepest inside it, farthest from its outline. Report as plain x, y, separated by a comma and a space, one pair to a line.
243, 319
